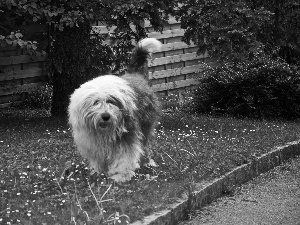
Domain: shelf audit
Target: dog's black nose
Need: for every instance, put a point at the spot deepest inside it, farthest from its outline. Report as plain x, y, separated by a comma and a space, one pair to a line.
105, 117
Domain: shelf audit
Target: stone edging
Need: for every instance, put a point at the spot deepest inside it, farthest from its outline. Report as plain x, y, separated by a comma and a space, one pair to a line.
178, 211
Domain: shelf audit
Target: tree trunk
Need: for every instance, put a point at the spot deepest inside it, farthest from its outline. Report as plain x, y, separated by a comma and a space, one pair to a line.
71, 60
63, 87
277, 29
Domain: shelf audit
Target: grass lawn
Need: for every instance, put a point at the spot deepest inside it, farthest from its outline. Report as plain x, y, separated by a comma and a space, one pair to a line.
44, 181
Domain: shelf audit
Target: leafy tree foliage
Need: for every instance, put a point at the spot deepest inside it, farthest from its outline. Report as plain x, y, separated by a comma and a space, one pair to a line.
225, 29
287, 29
236, 30
15, 39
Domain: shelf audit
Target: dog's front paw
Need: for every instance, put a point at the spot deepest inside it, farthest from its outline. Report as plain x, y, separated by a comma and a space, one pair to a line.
122, 177
150, 163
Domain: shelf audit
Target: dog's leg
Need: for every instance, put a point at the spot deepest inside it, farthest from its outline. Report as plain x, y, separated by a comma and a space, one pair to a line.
123, 167
89, 150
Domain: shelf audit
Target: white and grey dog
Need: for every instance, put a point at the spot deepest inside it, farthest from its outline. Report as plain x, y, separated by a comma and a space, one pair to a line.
113, 118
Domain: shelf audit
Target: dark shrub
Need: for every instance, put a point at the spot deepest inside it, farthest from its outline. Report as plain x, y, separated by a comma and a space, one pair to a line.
40, 98
289, 53
178, 101
262, 88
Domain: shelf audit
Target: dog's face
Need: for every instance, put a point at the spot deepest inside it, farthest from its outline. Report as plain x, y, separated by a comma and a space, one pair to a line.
104, 113
101, 108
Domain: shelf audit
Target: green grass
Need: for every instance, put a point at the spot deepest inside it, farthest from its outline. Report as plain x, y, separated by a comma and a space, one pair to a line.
44, 181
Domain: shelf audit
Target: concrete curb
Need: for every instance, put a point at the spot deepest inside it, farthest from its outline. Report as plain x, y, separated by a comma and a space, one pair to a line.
206, 194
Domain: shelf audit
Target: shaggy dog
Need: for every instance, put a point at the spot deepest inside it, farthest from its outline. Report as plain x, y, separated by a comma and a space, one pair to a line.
113, 118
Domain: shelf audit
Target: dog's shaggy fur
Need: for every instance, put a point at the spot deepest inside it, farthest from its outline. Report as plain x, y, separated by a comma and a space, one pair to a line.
113, 118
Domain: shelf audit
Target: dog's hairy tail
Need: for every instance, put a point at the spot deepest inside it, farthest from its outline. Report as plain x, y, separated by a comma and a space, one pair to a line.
141, 53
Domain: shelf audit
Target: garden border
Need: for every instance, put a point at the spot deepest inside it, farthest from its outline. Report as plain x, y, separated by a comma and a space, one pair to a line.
204, 195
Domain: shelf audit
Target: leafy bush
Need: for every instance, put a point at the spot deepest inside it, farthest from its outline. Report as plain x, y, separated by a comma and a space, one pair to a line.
40, 98
263, 88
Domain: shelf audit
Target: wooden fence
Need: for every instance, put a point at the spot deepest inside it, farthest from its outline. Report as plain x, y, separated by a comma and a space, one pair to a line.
19, 74
175, 67
171, 69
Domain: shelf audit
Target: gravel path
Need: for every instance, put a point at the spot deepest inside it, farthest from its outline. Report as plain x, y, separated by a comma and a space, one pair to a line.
272, 198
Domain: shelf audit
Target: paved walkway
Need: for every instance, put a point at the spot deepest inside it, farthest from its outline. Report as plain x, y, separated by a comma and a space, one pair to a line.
272, 198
